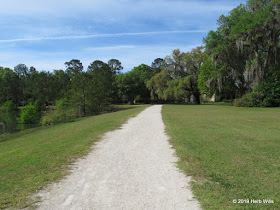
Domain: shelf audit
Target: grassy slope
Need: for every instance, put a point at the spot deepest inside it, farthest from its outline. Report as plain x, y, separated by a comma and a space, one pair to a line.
31, 161
233, 153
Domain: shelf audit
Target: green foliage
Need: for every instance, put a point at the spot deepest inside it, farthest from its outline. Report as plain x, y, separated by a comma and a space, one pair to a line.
209, 78
99, 86
115, 66
61, 84
30, 114
157, 65
253, 99
246, 44
10, 86
158, 84
266, 94
205, 73
132, 85
178, 79
8, 116
271, 88
21, 70
9, 106
44, 86
173, 91
62, 112
78, 83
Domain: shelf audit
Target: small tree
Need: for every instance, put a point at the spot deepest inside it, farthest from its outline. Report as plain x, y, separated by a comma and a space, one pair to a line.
30, 114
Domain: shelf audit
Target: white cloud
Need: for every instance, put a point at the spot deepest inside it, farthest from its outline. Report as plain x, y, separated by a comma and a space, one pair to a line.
29, 26
110, 48
101, 35
34, 20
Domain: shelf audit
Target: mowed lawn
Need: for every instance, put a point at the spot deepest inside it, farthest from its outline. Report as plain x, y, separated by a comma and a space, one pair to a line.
35, 159
232, 153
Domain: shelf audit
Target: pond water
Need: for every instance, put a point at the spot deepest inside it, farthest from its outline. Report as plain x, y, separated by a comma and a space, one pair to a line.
9, 124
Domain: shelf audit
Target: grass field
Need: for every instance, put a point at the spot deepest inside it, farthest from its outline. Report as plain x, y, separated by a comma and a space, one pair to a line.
232, 153
33, 159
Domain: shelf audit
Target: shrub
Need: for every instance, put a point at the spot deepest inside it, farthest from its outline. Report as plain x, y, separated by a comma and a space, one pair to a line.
236, 102
37, 105
9, 106
253, 99
62, 112
62, 104
30, 114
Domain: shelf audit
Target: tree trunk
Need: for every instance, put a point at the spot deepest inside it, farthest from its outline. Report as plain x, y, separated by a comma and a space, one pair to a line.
84, 102
197, 98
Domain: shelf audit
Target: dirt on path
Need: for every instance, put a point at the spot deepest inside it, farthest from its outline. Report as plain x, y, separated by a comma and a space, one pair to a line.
131, 168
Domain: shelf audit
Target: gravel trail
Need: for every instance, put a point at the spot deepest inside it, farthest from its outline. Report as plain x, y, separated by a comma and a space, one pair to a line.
131, 168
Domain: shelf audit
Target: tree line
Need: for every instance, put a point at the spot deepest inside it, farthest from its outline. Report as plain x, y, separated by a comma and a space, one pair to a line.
73, 92
239, 62
243, 55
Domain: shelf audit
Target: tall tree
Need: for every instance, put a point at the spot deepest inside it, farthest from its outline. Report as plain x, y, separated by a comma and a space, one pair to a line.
32, 70
115, 66
74, 69
178, 77
9, 86
157, 65
133, 83
21, 70
61, 84
245, 47
95, 65
100, 85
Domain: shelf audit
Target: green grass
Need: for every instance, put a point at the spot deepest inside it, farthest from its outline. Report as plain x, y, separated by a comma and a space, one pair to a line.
34, 159
11, 136
232, 153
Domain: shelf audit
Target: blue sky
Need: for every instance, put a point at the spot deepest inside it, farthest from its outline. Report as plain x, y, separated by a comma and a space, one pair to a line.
47, 33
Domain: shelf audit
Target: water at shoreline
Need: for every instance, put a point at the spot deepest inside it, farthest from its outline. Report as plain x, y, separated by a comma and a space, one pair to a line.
9, 124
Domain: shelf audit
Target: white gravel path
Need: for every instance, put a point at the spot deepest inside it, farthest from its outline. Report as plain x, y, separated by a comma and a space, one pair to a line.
131, 168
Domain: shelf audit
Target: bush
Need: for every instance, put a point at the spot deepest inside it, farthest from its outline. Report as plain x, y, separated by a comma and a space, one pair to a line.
62, 112
62, 104
236, 102
9, 106
253, 99
37, 105
30, 114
